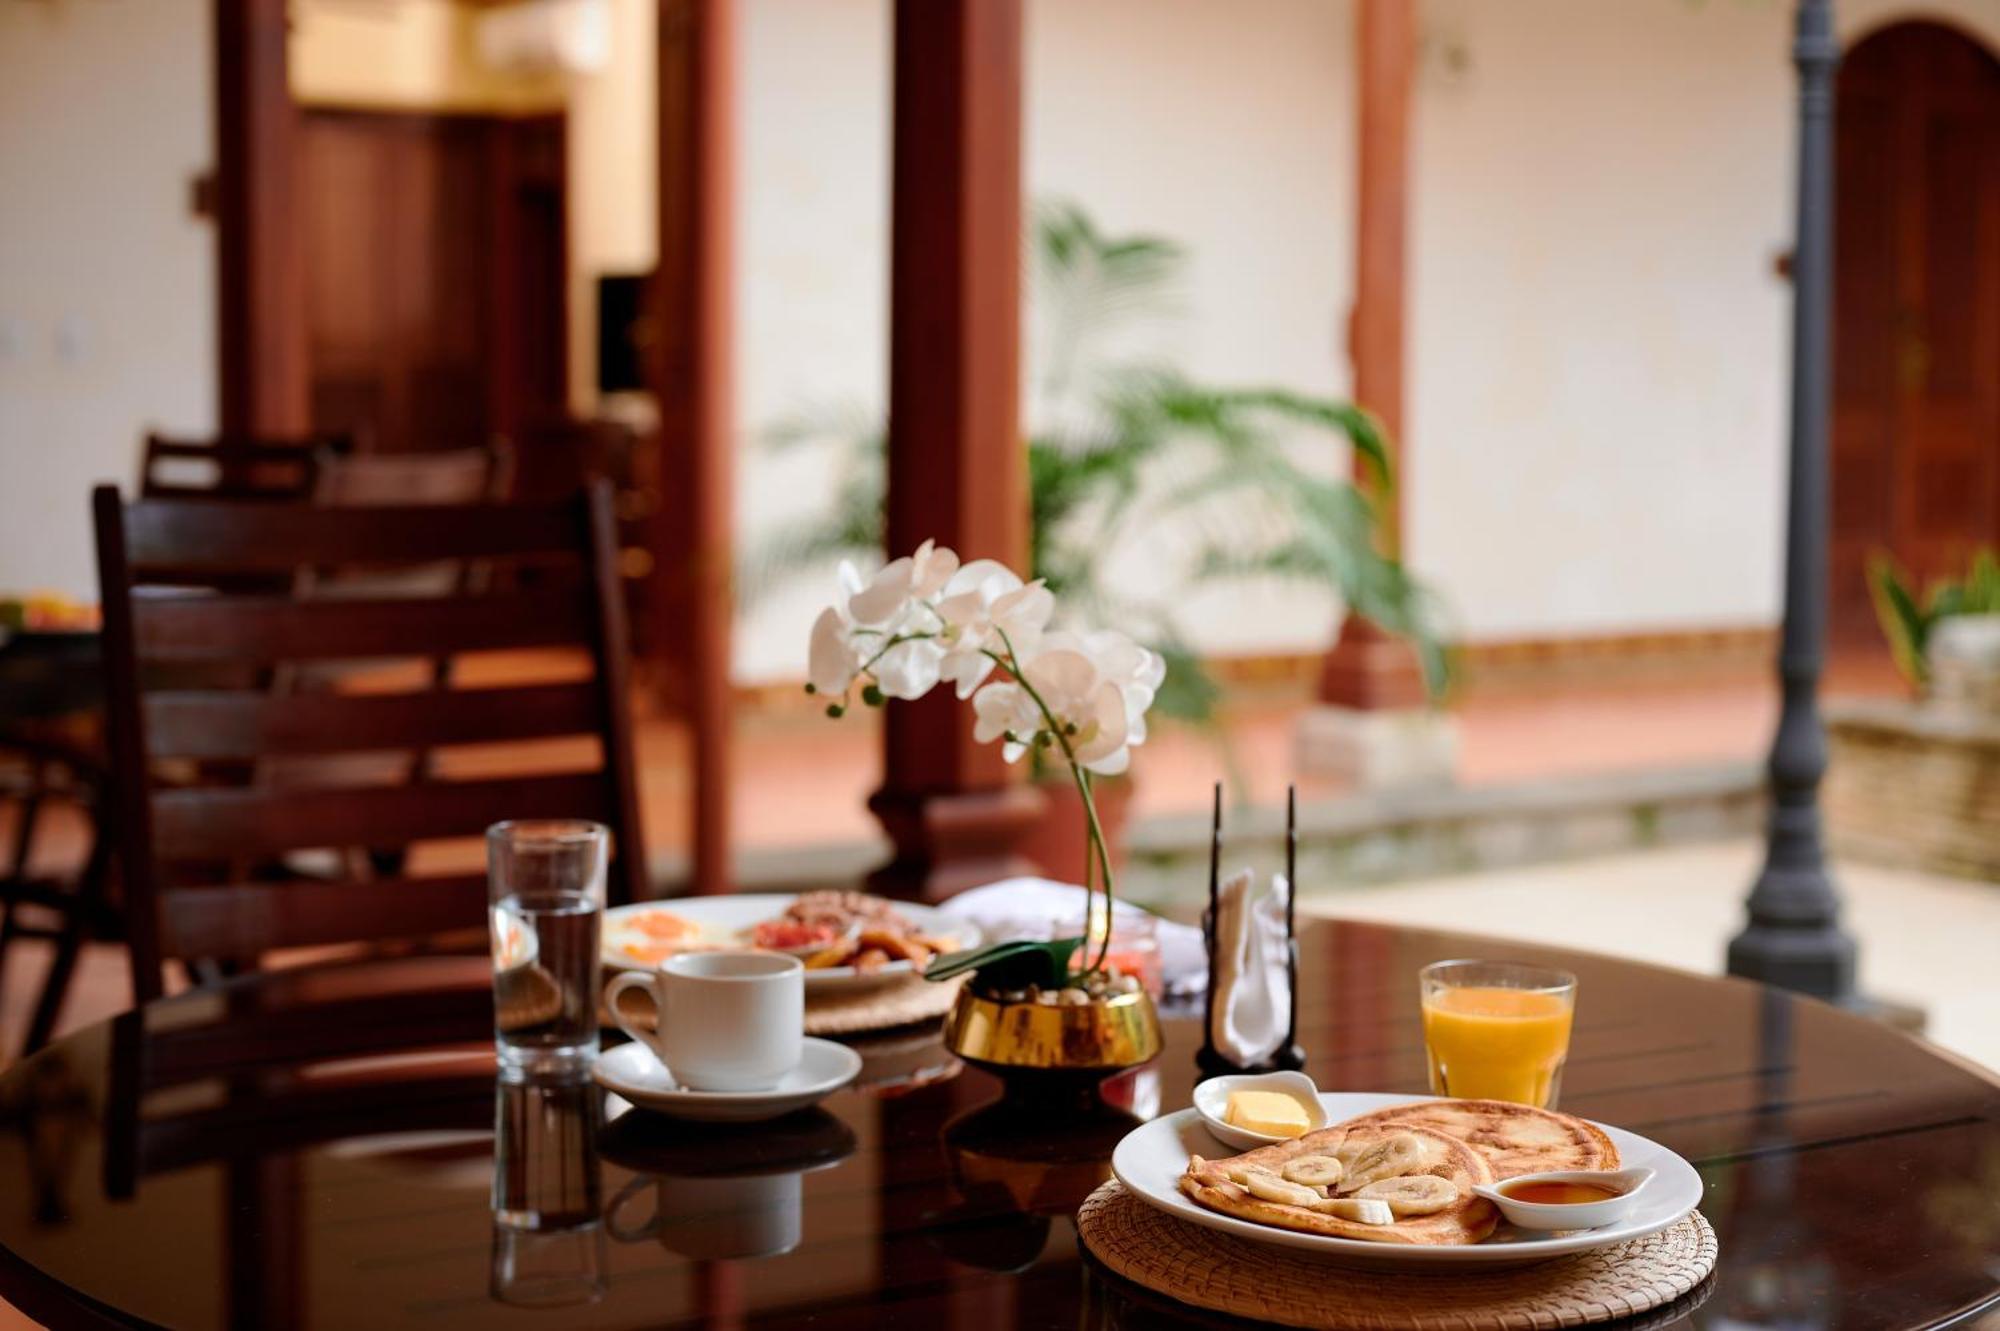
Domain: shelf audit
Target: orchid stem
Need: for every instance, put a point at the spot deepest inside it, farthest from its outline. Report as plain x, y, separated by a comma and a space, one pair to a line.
1096, 850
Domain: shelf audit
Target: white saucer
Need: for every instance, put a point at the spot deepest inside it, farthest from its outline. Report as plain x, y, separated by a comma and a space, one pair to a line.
631, 1070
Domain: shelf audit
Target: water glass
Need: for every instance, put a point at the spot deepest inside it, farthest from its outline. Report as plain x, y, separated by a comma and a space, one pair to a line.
1497, 1030
545, 882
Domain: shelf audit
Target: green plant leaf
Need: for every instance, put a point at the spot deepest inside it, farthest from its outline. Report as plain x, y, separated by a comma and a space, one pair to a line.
1904, 624
1010, 965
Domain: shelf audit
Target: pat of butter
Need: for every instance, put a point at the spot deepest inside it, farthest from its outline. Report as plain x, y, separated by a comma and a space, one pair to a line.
1272, 1113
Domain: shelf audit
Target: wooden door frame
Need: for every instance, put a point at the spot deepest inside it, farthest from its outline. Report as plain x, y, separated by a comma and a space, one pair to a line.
263, 357
262, 370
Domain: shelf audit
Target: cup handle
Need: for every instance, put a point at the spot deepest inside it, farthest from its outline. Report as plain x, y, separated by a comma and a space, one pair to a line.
632, 1233
642, 981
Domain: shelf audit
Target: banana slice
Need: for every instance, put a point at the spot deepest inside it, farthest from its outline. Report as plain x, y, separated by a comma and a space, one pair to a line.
1271, 1188
1364, 1210
1392, 1156
1315, 1171
1418, 1194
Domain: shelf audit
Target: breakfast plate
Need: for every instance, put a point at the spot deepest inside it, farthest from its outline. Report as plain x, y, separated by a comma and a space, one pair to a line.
1150, 1160
641, 935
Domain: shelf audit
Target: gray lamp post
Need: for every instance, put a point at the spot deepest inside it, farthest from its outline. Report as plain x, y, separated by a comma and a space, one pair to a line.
1794, 937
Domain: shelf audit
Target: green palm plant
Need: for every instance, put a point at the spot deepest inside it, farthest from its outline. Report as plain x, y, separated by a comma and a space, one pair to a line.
1127, 452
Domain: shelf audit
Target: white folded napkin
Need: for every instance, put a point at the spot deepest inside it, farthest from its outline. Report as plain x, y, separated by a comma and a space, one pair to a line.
1026, 908
1253, 1001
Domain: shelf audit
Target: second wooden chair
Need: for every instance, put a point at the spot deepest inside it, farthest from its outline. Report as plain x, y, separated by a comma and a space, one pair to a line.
562, 592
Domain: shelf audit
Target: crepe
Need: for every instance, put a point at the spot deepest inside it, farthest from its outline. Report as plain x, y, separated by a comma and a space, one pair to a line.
1468, 1220
1514, 1139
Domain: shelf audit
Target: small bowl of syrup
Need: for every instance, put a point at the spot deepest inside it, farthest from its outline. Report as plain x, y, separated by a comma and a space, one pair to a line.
1576, 1199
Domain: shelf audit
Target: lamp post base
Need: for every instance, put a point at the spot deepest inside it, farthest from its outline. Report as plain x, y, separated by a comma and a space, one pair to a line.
1815, 961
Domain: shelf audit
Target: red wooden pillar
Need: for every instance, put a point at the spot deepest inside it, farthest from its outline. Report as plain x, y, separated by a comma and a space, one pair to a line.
957, 465
260, 249
1367, 669
692, 375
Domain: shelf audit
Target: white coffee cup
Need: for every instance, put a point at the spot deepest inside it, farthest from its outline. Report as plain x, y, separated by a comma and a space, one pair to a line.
724, 1021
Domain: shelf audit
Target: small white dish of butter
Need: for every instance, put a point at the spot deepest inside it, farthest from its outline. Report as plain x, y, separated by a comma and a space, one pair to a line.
1256, 1109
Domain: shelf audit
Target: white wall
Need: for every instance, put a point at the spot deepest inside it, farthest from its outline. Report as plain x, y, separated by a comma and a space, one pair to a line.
1225, 128
107, 282
1600, 342
1599, 335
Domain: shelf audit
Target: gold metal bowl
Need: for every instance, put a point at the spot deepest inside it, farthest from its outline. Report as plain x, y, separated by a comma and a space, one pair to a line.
1101, 1036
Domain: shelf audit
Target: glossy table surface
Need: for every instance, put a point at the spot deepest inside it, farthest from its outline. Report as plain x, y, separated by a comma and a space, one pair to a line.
319, 1149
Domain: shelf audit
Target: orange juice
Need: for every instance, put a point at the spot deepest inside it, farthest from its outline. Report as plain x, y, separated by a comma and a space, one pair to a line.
1490, 1043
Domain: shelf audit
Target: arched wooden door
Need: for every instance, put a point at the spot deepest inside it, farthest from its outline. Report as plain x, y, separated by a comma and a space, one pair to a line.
1916, 426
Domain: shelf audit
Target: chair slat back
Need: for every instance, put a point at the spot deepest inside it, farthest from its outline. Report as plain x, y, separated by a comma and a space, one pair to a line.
235, 467
206, 861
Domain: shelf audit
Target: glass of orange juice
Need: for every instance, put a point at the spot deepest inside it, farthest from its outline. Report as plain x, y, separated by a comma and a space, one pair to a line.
1497, 1030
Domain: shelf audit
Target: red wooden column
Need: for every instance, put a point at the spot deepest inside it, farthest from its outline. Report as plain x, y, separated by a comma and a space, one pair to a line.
1366, 668
260, 249
692, 374
957, 464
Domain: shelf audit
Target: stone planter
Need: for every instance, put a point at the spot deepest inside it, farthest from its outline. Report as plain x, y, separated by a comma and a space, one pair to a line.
1964, 659
1916, 785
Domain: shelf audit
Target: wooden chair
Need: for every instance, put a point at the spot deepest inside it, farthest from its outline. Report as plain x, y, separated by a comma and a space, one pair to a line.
565, 596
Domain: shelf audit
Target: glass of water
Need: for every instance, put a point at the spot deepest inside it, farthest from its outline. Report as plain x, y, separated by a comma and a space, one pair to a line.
545, 882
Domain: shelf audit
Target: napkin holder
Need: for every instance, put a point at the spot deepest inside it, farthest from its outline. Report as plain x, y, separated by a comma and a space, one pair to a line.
1210, 1061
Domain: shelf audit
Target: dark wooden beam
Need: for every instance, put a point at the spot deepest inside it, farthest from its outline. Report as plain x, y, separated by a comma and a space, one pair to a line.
692, 371
957, 463
260, 242
1367, 669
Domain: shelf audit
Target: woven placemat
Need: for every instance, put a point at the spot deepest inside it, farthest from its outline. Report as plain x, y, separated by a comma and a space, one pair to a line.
902, 1001
1213, 1270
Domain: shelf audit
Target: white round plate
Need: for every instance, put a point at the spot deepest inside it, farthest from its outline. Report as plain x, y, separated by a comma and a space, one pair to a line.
1152, 1158
721, 919
631, 1070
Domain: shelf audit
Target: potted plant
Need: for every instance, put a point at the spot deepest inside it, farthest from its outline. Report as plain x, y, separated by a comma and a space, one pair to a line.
1947, 641
1078, 698
1126, 453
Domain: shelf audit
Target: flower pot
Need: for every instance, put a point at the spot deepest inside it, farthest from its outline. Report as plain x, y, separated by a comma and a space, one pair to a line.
1093, 1039
1060, 842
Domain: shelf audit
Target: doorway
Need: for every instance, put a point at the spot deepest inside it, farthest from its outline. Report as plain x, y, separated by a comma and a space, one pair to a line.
436, 275
1916, 416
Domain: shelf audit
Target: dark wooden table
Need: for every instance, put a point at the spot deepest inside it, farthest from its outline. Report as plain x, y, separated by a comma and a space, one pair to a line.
317, 1149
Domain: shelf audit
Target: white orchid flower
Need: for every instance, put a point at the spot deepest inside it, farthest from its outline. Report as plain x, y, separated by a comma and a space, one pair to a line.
1006, 712
1137, 671
1085, 703
986, 610
909, 669
1088, 709
917, 577
834, 660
